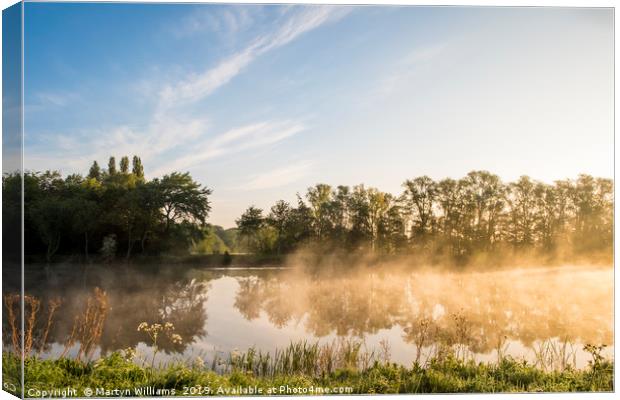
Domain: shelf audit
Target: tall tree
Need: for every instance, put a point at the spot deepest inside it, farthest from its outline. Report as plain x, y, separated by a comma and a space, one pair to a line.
451, 203
50, 218
138, 210
137, 168
249, 225
299, 230
361, 233
124, 165
420, 195
95, 171
391, 229
553, 208
279, 218
319, 197
485, 197
593, 201
340, 214
183, 199
112, 166
378, 205
50, 212
86, 215
523, 212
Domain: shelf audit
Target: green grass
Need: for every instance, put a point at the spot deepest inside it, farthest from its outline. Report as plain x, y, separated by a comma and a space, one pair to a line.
299, 367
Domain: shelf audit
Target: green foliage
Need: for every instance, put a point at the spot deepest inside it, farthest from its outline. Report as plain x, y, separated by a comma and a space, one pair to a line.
249, 224
76, 214
477, 217
457, 220
50, 217
182, 199
212, 243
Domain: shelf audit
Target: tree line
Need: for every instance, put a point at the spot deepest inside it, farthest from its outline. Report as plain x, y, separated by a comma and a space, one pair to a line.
113, 211
452, 217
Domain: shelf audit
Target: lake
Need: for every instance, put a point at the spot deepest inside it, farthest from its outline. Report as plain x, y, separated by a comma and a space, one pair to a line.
540, 314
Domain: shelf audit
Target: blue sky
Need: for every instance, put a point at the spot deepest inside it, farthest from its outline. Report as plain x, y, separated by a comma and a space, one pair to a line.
260, 102
11, 89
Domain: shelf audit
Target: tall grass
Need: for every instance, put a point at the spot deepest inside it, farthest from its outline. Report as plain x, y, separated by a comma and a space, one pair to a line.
303, 357
303, 364
553, 355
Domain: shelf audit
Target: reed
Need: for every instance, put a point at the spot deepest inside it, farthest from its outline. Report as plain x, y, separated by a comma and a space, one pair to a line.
52, 306
88, 325
555, 355
33, 306
12, 306
305, 358
35, 336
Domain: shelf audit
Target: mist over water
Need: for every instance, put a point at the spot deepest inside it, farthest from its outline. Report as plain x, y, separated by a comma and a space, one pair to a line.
529, 313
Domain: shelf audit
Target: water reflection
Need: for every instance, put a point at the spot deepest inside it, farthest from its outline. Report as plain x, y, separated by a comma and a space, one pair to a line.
480, 313
527, 305
133, 297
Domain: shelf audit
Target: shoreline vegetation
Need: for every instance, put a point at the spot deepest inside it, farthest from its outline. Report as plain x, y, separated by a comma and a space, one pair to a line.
117, 215
313, 262
301, 368
190, 260
111, 217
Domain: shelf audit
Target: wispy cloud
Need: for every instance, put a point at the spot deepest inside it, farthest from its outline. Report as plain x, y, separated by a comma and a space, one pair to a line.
225, 21
47, 100
234, 141
279, 177
408, 67
175, 126
177, 96
205, 83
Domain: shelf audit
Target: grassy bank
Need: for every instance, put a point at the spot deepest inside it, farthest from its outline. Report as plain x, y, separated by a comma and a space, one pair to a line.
252, 373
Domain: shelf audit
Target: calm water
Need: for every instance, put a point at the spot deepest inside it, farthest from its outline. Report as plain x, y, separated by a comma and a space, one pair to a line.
219, 311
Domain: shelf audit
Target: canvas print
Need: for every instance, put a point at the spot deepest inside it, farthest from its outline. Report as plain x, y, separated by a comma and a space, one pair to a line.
247, 199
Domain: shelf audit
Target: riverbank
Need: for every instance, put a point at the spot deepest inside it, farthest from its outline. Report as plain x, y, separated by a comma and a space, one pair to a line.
194, 260
330, 260
116, 375
214, 260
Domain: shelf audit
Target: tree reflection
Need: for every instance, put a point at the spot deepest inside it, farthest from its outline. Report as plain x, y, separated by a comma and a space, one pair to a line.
134, 297
477, 310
